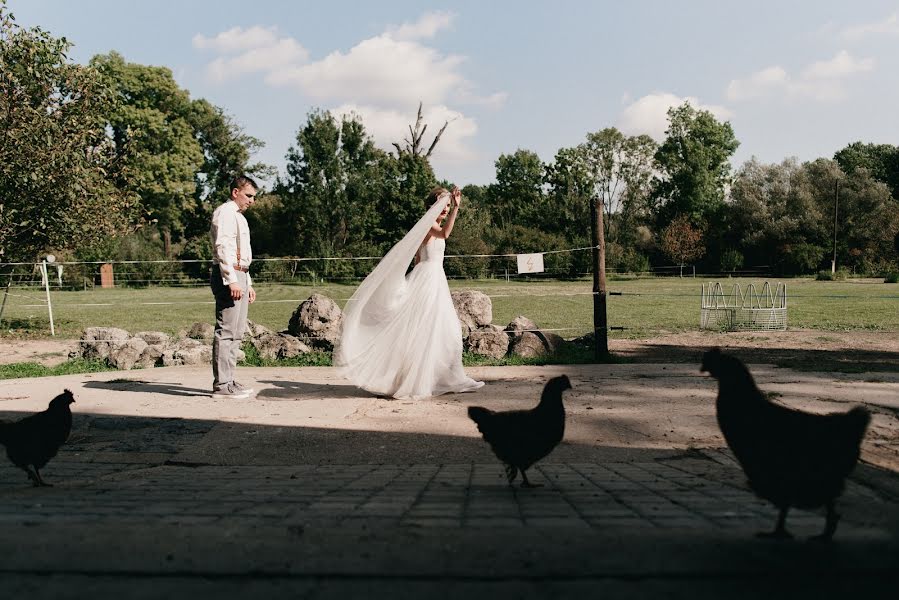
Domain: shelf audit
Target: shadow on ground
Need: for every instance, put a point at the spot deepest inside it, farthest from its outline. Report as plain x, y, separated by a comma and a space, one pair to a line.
844, 360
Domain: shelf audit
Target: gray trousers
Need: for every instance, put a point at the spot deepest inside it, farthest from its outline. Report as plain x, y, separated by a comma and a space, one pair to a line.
230, 325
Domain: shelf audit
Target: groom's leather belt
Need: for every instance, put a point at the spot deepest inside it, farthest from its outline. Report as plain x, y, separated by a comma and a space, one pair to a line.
244, 269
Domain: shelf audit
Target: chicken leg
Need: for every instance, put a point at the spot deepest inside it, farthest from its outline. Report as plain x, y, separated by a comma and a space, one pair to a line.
780, 531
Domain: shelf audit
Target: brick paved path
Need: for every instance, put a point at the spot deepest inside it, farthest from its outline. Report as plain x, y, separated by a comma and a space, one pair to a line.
679, 525
693, 490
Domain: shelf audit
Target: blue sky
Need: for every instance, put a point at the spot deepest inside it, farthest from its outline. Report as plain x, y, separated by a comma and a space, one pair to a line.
794, 78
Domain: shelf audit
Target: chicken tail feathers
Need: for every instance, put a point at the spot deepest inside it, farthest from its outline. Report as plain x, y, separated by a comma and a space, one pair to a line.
481, 416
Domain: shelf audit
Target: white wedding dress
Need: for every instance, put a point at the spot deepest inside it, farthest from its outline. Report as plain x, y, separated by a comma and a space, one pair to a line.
400, 335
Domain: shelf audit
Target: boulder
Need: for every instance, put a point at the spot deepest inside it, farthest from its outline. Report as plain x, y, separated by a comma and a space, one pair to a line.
97, 342
528, 345
473, 308
151, 356
519, 325
126, 356
255, 330
201, 331
188, 352
317, 321
154, 338
489, 340
273, 346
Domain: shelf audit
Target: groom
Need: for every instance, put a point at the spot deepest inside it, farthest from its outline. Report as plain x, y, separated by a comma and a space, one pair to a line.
231, 285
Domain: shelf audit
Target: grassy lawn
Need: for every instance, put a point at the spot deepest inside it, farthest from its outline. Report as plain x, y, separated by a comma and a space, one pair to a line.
647, 306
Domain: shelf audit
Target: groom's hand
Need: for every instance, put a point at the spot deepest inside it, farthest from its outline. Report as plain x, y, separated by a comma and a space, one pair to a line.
251, 293
236, 292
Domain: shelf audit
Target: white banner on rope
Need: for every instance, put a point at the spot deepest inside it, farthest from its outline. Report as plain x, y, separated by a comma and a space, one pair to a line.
530, 263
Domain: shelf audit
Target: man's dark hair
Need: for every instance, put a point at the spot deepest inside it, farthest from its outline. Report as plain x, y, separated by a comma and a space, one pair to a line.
241, 180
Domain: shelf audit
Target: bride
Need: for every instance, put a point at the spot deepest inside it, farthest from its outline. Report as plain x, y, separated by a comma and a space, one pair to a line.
400, 335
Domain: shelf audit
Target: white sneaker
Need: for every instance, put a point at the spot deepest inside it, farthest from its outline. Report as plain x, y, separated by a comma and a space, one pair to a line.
242, 388
229, 391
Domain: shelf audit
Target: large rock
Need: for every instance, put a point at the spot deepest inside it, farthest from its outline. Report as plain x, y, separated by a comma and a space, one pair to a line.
272, 346
126, 356
490, 340
520, 327
151, 356
98, 342
473, 308
188, 352
255, 330
528, 345
154, 338
317, 321
201, 331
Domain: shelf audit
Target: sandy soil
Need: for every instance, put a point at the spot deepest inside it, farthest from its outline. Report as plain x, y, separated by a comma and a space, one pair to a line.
48, 352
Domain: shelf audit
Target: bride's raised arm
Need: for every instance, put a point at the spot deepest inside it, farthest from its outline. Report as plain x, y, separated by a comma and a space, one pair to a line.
443, 231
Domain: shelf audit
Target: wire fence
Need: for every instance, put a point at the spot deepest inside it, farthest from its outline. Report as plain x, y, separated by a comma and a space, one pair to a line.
170, 295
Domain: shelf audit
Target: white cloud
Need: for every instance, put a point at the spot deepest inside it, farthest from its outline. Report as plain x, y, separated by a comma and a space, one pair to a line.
282, 54
822, 80
758, 84
840, 65
426, 27
379, 70
237, 39
889, 26
253, 50
649, 114
392, 125
386, 70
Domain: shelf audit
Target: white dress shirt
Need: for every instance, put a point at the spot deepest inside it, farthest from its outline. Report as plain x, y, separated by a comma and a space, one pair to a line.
229, 227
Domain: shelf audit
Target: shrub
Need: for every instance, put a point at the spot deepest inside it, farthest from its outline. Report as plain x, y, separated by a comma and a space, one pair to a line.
840, 275
891, 277
731, 260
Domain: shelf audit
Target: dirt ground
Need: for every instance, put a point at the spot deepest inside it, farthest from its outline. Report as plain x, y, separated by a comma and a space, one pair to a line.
804, 349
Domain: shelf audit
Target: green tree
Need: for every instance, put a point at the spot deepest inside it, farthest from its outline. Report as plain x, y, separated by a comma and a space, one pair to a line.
621, 169
695, 165
517, 195
776, 218
151, 120
57, 166
226, 152
343, 196
881, 161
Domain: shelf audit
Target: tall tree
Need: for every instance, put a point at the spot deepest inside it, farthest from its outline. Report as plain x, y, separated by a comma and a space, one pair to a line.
695, 165
881, 160
518, 192
570, 185
57, 166
226, 152
621, 169
152, 119
332, 195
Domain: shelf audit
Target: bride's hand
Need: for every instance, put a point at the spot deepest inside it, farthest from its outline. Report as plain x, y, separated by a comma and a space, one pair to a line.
456, 196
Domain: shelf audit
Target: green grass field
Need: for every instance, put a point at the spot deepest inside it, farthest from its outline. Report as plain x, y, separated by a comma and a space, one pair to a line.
647, 306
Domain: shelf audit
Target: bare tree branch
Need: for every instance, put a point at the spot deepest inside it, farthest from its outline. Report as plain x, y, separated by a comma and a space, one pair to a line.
436, 139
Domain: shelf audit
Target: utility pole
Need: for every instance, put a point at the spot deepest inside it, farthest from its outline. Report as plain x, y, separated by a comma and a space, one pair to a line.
600, 318
836, 202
